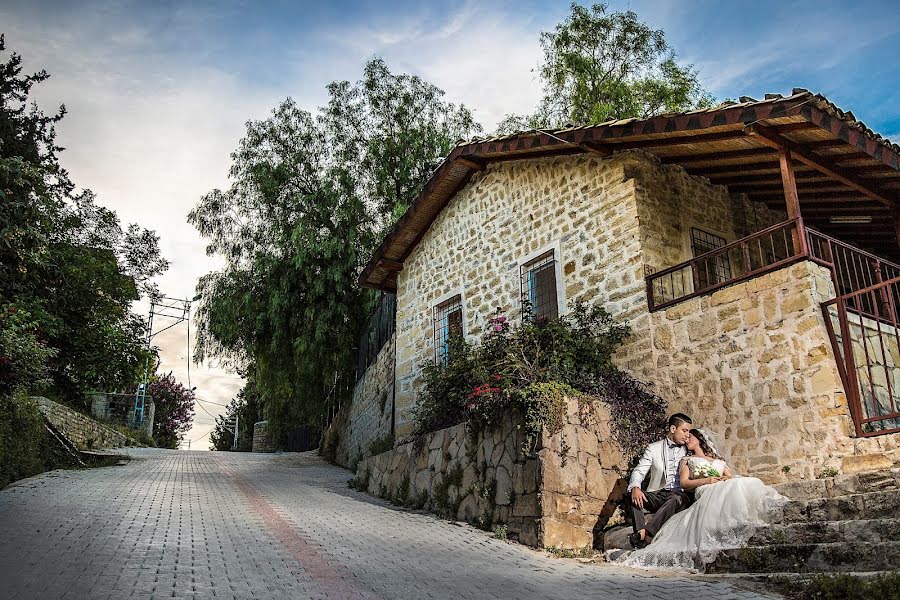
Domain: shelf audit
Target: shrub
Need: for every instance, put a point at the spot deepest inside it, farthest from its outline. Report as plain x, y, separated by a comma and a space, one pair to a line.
329, 445
26, 448
382, 444
839, 587
531, 370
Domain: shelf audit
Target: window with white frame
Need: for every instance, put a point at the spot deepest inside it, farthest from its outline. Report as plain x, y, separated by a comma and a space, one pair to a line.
539, 287
448, 323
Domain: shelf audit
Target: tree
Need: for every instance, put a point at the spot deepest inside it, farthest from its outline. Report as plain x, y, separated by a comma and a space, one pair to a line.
246, 407
308, 199
67, 269
174, 410
600, 66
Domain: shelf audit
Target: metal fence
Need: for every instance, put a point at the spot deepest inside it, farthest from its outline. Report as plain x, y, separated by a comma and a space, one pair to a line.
379, 329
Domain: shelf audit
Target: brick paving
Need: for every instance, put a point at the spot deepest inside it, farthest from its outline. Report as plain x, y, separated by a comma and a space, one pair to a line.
238, 526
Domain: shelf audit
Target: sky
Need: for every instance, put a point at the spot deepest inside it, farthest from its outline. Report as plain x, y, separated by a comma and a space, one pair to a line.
158, 93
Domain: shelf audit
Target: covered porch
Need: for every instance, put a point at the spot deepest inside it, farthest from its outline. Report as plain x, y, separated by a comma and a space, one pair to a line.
841, 203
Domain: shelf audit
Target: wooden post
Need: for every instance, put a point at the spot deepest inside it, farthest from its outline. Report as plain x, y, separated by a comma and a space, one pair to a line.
791, 199
789, 181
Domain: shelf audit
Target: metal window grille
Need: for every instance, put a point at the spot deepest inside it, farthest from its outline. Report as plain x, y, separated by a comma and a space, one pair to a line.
716, 270
538, 280
448, 323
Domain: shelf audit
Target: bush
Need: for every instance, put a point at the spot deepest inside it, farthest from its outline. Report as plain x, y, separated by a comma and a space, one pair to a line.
25, 446
839, 587
531, 370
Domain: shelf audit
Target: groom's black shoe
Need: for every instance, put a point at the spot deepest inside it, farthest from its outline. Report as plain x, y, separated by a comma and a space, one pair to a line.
636, 542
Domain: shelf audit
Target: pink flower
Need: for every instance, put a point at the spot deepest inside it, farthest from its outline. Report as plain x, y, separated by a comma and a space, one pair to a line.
498, 327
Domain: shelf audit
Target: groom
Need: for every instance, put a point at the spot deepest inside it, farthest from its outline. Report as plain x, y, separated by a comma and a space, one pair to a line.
664, 496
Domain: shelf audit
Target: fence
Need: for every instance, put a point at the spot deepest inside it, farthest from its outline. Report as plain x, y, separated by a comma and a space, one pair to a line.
752, 256
379, 329
302, 438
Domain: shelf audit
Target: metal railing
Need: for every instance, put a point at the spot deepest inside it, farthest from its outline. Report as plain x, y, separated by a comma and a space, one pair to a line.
864, 327
764, 251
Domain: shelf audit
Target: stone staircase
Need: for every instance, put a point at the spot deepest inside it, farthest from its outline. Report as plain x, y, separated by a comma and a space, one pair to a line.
849, 523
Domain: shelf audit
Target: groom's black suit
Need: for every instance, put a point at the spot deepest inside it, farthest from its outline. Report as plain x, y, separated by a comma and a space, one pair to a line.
665, 496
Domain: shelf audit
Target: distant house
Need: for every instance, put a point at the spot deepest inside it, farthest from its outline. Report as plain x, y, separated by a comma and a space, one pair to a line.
752, 247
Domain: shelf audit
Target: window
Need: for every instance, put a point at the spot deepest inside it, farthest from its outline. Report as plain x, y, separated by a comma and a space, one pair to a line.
714, 270
539, 292
448, 322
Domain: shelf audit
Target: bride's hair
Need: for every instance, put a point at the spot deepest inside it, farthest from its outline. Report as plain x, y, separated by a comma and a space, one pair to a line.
704, 444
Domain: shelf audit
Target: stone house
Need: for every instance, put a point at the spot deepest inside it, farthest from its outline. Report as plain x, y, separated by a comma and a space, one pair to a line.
752, 248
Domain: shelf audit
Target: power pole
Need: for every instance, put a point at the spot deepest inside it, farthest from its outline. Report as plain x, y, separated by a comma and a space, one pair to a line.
237, 420
173, 308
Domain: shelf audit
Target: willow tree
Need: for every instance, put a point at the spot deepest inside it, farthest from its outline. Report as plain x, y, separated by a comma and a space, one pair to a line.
600, 65
309, 197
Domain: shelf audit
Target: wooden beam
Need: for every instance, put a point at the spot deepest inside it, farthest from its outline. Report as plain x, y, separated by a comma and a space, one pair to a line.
764, 179
677, 140
689, 159
820, 163
595, 148
391, 265
789, 181
472, 163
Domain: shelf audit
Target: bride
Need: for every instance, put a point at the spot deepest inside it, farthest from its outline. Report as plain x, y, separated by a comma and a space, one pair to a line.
726, 513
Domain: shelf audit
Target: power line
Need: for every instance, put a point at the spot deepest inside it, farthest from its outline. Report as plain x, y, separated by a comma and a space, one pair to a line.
210, 402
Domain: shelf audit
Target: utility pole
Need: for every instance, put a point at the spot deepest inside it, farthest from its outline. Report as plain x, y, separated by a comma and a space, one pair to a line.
237, 421
173, 308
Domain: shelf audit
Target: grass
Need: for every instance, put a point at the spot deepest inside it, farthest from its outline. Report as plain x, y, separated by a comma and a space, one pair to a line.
839, 587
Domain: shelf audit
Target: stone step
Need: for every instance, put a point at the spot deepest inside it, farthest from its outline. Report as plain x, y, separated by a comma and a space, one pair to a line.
822, 532
842, 485
800, 558
871, 505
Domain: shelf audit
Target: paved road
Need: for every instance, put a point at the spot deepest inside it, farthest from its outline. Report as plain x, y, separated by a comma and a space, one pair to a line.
219, 525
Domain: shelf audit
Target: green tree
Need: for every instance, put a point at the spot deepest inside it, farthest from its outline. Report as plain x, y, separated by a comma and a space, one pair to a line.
309, 196
247, 407
600, 65
67, 269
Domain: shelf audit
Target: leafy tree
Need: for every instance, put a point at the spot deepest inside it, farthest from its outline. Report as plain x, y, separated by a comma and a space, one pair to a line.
246, 406
174, 410
600, 65
308, 197
66, 267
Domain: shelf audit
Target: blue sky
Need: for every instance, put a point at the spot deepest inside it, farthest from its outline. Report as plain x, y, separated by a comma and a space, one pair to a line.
158, 92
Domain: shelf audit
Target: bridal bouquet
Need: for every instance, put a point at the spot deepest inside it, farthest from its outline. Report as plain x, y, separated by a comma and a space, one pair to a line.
707, 471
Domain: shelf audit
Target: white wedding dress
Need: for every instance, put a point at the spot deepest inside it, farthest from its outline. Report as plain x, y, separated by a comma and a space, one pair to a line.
724, 515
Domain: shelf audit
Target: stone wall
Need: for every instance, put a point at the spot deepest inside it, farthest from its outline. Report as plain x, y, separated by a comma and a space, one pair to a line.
606, 219
262, 442
552, 496
753, 362
369, 415
81, 430
119, 409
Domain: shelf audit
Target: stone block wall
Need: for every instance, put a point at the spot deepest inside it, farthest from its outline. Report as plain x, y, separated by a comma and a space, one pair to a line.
554, 495
81, 430
753, 362
119, 409
262, 441
606, 219
369, 414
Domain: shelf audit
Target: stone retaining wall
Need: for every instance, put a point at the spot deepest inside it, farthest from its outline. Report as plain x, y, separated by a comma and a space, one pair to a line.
81, 430
369, 416
552, 496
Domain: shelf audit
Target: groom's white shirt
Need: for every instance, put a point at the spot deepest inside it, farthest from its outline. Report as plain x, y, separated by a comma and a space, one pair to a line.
661, 462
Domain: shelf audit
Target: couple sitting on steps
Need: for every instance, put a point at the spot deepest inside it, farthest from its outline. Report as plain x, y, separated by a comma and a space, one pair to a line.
700, 505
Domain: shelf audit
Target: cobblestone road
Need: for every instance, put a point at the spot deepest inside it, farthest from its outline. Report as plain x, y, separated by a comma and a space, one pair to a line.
219, 525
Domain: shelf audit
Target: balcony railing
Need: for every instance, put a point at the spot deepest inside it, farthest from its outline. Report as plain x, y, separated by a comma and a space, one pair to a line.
768, 250
764, 251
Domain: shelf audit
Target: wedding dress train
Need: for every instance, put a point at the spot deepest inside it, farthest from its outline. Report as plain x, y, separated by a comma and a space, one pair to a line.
725, 515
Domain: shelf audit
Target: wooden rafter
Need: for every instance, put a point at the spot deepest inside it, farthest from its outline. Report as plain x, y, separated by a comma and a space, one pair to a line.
725, 155
472, 163
825, 165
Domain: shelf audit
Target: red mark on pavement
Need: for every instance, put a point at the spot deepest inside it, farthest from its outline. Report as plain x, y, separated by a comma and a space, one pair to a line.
313, 563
